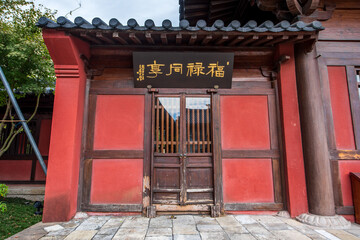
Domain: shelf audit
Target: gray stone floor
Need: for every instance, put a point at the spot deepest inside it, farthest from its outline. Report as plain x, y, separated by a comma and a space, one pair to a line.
184, 227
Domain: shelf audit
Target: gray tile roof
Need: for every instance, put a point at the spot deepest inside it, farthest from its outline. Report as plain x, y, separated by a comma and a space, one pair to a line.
201, 25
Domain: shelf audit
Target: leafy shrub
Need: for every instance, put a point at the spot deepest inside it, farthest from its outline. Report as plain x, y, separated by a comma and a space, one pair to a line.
3, 192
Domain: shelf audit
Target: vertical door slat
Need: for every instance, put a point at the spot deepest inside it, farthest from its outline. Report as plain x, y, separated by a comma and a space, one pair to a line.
198, 130
203, 129
162, 129
208, 130
167, 133
172, 135
157, 125
193, 130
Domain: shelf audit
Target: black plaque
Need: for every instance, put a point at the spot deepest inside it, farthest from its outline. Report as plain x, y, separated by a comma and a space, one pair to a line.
183, 69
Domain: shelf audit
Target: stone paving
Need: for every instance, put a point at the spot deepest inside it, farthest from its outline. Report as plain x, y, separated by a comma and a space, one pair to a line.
184, 227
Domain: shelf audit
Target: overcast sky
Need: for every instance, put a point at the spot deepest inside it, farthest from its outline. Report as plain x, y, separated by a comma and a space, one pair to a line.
123, 10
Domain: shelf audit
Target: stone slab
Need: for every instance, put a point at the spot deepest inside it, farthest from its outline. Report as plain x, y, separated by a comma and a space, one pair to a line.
81, 235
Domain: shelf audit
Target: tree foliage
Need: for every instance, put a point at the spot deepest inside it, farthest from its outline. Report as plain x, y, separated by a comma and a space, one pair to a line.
23, 55
24, 59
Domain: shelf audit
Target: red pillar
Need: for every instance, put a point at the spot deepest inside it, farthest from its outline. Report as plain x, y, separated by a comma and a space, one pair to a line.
61, 189
292, 145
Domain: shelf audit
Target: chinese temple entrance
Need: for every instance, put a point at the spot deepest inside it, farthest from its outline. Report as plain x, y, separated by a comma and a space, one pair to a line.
182, 163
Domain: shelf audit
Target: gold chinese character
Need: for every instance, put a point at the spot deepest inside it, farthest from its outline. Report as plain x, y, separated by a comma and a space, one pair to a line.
141, 73
195, 69
155, 69
177, 67
216, 69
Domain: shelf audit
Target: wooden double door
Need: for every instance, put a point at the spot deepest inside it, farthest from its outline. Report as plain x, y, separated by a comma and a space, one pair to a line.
182, 155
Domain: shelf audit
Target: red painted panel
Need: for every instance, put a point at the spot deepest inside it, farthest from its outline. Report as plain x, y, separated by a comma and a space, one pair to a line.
117, 181
247, 180
340, 104
44, 137
39, 173
345, 167
244, 122
119, 122
15, 170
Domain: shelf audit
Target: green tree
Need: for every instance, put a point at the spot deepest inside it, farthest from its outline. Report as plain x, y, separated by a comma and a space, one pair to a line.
24, 58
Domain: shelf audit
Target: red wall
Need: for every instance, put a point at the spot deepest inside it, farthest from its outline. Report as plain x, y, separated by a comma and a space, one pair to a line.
117, 181
44, 137
341, 108
247, 180
119, 122
244, 122
15, 170
119, 125
245, 126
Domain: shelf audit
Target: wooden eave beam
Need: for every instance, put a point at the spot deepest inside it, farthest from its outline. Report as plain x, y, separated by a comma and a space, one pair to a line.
249, 40
164, 39
221, 40
236, 40
119, 39
206, 39
263, 40
192, 39
149, 39
103, 38
277, 40
134, 38
178, 38
86, 36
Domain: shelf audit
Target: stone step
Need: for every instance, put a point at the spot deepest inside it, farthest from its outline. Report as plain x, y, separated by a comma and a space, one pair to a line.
33, 192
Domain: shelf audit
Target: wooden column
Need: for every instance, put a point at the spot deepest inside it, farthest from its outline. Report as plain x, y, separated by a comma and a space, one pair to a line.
313, 129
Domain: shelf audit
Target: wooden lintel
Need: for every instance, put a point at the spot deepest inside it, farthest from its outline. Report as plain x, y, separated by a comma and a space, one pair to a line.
116, 36
206, 39
149, 39
251, 153
178, 38
236, 40
164, 39
117, 154
134, 38
249, 40
103, 38
192, 39
91, 39
345, 154
222, 39
263, 40
277, 40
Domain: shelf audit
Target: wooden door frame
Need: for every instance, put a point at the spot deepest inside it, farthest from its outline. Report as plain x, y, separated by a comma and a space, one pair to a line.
218, 207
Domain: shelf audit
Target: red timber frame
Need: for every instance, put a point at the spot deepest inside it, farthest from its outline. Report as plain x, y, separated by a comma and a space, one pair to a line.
81, 81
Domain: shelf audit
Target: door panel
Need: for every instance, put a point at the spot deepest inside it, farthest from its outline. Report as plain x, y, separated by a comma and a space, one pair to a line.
182, 169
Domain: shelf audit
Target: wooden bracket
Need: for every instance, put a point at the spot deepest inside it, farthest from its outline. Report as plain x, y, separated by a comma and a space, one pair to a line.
215, 211
150, 211
152, 90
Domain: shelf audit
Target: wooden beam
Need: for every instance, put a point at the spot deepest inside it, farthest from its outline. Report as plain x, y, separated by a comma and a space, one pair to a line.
206, 39
149, 39
192, 39
254, 206
249, 40
90, 38
277, 40
164, 39
222, 39
178, 38
103, 38
134, 38
119, 39
236, 40
263, 40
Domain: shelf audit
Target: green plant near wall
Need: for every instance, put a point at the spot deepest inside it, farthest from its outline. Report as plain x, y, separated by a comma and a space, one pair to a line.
3, 192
